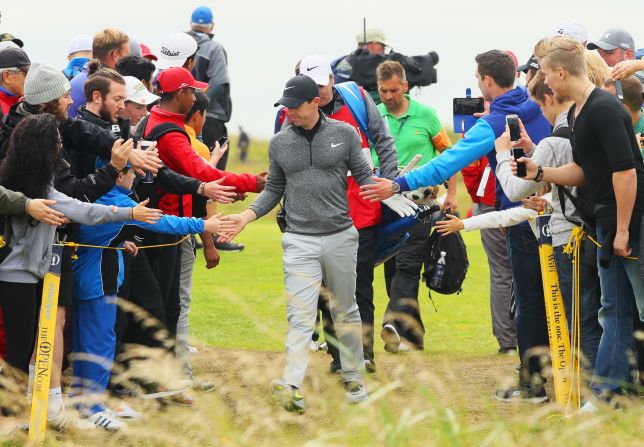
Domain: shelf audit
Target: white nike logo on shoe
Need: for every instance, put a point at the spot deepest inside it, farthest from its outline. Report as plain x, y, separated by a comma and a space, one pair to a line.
336, 145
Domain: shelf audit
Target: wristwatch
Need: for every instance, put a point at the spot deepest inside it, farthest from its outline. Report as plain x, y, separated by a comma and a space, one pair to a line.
539, 176
395, 187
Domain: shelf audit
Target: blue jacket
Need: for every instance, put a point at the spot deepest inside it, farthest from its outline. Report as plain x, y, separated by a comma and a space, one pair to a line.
479, 141
78, 93
99, 272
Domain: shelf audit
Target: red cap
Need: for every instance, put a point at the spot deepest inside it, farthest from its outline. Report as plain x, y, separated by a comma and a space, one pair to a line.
145, 52
177, 78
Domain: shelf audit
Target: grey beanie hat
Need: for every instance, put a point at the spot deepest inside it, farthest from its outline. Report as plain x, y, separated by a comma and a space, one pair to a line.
44, 84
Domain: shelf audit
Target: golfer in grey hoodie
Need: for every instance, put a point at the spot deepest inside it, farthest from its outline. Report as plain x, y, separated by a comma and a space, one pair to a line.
309, 161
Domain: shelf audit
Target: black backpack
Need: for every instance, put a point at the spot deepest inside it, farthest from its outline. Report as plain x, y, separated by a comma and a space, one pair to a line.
455, 267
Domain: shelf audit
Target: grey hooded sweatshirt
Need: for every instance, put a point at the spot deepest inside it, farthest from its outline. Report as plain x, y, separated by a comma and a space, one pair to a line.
31, 241
313, 177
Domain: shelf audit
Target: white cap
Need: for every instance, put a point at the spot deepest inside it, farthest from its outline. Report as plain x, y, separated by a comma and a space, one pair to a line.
8, 44
175, 49
316, 67
136, 92
82, 42
573, 29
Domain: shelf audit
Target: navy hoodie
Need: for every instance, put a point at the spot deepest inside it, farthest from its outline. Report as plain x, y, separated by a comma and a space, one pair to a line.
479, 141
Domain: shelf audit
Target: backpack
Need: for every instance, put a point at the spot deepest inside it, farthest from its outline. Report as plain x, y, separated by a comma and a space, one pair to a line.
455, 265
351, 94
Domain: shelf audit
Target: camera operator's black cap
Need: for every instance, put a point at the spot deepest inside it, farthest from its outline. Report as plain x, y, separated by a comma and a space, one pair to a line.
298, 89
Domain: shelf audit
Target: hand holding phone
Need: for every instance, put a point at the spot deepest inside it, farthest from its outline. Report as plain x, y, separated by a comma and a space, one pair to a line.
223, 141
515, 128
517, 153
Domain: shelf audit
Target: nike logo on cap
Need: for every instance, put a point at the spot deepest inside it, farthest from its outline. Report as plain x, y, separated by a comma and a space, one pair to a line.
336, 145
311, 68
286, 88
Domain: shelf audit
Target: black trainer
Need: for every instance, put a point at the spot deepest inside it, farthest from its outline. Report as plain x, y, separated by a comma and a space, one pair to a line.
534, 395
229, 246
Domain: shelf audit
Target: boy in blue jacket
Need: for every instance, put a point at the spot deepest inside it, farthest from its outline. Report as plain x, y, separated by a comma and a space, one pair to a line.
98, 274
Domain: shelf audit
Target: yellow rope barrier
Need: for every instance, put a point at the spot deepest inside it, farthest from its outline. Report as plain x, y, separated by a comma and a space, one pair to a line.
76, 245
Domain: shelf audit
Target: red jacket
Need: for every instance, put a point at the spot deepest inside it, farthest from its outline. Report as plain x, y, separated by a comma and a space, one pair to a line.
177, 154
472, 176
7, 100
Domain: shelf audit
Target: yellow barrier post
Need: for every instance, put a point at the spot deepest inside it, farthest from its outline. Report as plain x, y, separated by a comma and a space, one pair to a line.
555, 314
45, 349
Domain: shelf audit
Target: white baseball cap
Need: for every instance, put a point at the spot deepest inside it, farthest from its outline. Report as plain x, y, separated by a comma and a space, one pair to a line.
8, 44
573, 29
175, 49
137, 92
82, 42
316, 67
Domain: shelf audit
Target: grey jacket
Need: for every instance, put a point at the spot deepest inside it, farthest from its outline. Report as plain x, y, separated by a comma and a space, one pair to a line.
211, 66
31, 241
314, 177
550, 152
12, 202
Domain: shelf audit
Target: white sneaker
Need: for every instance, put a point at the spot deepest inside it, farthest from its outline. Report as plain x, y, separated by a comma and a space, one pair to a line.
124, 411
192, 350
391, 338
314, 346
589, 408
404, 347
355, 392
67, 421
107, 420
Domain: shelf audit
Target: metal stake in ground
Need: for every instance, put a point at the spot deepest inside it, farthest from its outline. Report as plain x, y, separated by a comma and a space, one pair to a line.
45, 349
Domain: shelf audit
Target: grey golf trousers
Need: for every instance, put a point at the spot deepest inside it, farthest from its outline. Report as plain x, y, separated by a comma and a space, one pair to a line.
308, 261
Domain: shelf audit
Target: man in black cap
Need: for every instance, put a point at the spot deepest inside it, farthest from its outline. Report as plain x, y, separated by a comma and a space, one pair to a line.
617, 48
14, 65
309, 161
530, 68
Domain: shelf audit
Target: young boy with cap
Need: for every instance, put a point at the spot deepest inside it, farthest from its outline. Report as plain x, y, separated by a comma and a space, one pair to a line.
137, 100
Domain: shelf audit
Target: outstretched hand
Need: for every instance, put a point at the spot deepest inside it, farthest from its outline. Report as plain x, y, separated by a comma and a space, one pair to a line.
218, 192
146, 160
40, 210
223, 227
144, 214
236, 223
261, 180
378, 191
453, 225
